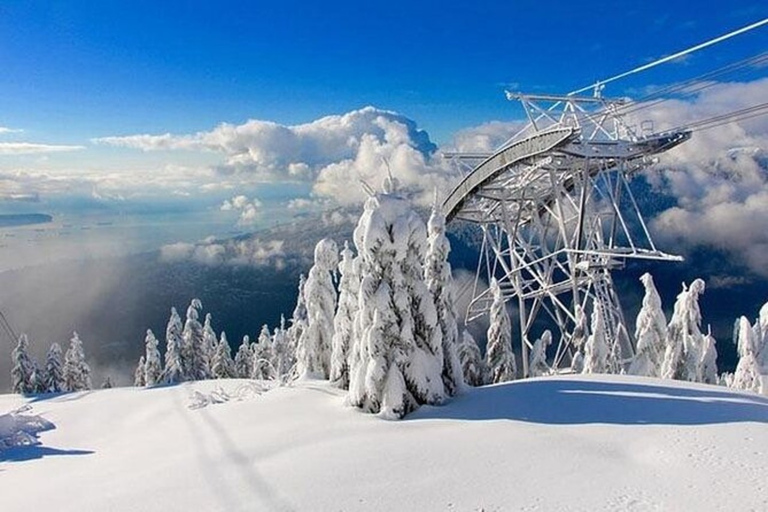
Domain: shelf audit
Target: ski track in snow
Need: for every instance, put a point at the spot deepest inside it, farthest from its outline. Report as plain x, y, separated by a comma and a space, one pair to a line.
603, 443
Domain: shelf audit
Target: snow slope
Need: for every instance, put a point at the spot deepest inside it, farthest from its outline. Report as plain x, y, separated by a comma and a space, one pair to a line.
566, 443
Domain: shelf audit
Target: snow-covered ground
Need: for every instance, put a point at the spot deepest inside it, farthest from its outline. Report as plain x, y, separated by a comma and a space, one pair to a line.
566, 443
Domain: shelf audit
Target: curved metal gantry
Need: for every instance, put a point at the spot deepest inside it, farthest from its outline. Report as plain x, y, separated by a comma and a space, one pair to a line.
558, 215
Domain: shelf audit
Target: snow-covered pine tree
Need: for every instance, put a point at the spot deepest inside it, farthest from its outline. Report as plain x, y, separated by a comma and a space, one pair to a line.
223, 367
761, 327
193, 352
140, 373
709, 359
471, 360
153, 368
313, 353
650, 333
349, 286
283, 359
747, 375
174, 367
499, 358
538, 361
54, 372
683, 354
396, 359
262, 356
439, 279
77, 373
596, 349
210, 343
21, 372
38, 378
579, 338
244, 359
299, 317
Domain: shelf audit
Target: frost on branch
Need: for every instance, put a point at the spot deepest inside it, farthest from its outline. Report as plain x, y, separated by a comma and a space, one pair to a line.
684, 344
650, 333
396, 361
349, 286
499, 357
437, 274
313, 352
747, 375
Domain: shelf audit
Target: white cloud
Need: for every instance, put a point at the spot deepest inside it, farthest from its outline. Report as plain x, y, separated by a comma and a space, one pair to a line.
252, 252
719, 178
333, 153
300, 203
5, 129
484, 138
249, 209
29, 148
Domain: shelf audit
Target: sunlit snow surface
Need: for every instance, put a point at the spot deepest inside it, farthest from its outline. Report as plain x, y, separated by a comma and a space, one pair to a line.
565, 443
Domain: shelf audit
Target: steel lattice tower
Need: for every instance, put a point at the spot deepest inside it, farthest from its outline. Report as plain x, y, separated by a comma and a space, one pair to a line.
558, 216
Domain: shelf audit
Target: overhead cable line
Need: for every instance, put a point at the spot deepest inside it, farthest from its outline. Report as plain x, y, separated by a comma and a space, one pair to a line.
601, 83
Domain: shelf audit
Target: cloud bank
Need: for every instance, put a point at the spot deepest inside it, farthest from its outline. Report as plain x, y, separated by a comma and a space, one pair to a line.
29, 148
719, 178
333, 153
251, 252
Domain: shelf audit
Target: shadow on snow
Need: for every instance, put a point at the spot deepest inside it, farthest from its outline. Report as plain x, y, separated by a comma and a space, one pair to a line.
559, 401
25, 453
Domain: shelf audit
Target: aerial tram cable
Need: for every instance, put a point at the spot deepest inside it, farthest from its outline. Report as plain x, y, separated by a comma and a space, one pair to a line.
7, 328
689, 87
597, 86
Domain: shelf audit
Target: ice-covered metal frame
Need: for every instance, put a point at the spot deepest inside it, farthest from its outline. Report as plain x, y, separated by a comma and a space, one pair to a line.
558, 215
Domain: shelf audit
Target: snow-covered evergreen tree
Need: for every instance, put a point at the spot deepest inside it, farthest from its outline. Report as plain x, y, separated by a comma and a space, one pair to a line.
174, 367
140, 373
579, 338
153, 368
499, 358
38, 378
54, 372
210, 344
299, 317
313, 353
761, 327
396, 359
596, 349
193, 351
650, 333
437, 274
244, 359
21, 372
349, 286
538, 360
709, 360
222, 366
283, 358
683, 354
262, 356
747, 375
77, 373
471, 360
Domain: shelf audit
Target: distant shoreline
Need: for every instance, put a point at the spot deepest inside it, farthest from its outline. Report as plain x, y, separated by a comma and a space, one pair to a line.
24, 219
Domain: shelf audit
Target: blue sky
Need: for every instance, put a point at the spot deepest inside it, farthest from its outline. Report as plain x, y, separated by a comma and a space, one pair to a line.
113, 106
73, 70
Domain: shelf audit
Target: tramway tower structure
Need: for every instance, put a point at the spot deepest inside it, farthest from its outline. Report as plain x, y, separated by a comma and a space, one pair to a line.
558, 216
